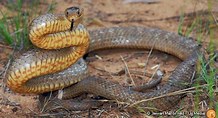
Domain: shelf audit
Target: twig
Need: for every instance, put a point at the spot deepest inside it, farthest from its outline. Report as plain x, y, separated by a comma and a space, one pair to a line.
100, 112
6, 69
32, 111
127, 69
203, 103
5, 46
46, 102
149, 54
107, 73
214, 18
56, 103
6, 101
52, 114
193, 76
13, 33
169, 94
157, 68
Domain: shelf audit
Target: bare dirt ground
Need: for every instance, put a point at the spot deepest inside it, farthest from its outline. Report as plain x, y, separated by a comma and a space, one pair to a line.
108, 13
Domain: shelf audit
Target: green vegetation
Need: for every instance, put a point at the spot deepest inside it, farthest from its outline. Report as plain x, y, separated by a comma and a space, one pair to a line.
206, 72
15, 21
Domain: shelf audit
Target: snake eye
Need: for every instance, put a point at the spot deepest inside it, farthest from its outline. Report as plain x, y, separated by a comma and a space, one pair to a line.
78, 12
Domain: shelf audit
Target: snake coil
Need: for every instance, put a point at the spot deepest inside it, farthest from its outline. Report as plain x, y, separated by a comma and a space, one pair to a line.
61, 44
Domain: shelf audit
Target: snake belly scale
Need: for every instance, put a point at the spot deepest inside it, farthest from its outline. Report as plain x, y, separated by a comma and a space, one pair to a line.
51, 66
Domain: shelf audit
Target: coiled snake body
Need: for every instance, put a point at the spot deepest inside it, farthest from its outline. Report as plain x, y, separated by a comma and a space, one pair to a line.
50, 68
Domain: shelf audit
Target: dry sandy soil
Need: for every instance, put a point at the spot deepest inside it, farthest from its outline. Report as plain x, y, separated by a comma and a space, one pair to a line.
107, 13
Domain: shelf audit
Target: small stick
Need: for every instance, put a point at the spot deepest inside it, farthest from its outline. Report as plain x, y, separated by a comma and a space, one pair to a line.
183, 91
5, 71
146, 62
214, 18
5, 46
128, 70
156, 71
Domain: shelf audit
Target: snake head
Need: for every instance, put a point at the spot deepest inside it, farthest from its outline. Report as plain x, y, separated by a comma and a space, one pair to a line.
74, 15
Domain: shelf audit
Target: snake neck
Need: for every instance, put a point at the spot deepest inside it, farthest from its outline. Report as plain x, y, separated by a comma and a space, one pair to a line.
48, 32
53, 32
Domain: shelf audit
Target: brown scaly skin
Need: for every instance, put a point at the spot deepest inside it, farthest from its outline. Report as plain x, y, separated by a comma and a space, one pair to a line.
50, 30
